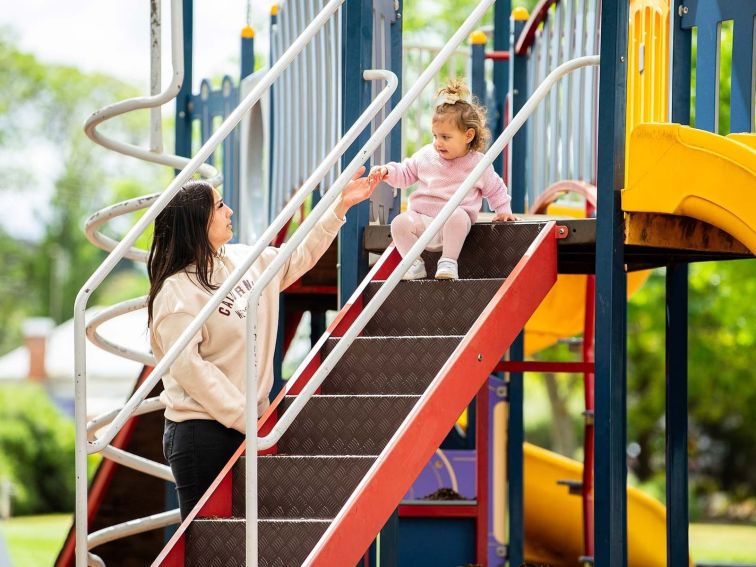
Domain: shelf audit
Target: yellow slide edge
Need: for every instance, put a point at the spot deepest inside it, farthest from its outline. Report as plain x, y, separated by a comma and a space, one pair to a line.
678, 170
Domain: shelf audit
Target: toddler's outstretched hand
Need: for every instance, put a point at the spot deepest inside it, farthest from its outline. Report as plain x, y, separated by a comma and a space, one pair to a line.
377, 174
505, 217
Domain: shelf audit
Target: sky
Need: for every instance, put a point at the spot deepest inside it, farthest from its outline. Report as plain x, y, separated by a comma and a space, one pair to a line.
113, 37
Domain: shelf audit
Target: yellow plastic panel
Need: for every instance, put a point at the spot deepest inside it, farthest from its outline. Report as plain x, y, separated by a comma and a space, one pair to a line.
744, 138
679, 170
647, 63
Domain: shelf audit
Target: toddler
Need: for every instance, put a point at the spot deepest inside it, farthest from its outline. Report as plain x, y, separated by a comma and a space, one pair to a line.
459, 133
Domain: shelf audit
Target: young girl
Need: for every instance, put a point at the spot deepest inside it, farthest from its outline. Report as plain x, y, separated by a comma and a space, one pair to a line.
459, 133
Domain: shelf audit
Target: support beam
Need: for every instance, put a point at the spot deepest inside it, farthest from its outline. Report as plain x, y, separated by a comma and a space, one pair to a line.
676, 414
611, 295
676, 418
502, 10
357, 56
183, 127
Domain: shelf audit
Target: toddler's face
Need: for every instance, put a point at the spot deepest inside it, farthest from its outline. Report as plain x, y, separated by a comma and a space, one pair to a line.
449, 141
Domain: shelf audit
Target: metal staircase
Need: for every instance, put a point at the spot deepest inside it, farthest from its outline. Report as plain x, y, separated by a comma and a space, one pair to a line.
354, 450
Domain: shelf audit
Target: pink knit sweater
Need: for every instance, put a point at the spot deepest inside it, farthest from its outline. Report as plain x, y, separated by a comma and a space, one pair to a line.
438, 178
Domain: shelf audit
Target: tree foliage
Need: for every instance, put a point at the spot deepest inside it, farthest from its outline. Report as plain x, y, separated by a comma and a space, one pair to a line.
36, 450
42, 110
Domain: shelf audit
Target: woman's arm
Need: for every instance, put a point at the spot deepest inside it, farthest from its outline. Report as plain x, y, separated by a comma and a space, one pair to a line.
323, 233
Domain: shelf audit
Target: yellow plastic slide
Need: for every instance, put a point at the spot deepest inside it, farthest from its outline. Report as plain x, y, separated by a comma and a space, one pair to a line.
554, 518
679, 170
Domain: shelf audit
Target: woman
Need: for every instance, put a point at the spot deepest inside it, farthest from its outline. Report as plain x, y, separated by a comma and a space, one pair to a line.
205, 387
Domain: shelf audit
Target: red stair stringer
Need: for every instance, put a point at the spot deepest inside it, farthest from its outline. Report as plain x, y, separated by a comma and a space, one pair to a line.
382, 489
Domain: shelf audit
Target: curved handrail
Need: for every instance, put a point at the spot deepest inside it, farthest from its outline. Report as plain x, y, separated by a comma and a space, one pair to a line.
111, 313
315, 381
147, 406
97, 219
134, 527
554, 191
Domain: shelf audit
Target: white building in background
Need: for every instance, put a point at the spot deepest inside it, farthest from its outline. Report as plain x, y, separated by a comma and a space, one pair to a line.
47, 357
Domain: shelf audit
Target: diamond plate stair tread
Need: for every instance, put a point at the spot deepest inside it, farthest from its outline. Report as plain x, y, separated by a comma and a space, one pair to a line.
221, 543
344, 425
490, 250
388, 365
301, 487
430, 307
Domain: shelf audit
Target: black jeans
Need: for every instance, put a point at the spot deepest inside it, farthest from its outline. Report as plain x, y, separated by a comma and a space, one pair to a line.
197, 450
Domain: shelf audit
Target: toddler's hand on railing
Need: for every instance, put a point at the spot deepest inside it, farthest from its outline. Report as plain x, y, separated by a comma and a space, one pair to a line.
506, 217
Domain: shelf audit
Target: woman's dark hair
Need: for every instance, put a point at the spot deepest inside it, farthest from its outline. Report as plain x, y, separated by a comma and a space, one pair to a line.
181, 239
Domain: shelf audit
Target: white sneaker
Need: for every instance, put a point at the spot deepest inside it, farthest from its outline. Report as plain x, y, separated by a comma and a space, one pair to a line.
447, 269
416, 271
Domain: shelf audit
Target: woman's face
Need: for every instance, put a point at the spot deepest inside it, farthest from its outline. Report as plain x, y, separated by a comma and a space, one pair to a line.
219, 229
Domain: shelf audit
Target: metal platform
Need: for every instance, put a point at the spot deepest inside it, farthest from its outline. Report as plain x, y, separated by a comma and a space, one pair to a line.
651, 241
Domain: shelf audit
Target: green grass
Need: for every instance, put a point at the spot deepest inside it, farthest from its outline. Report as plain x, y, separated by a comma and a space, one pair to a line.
722, 542
34, 541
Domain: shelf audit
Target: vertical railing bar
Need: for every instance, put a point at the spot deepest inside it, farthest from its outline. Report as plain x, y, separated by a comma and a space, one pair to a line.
568, 142
589, 156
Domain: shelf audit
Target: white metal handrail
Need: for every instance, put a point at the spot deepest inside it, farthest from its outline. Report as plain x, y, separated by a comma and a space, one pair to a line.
119, 350
123, 248
134, 527
147, 406
315, 381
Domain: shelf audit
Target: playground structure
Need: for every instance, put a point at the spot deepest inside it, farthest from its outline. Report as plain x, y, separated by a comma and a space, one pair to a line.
667, 183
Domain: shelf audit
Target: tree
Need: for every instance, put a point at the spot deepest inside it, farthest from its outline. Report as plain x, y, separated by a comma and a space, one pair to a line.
721, 393
44, 106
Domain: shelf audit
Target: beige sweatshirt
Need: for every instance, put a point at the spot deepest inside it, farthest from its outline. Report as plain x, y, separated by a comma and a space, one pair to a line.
207, 381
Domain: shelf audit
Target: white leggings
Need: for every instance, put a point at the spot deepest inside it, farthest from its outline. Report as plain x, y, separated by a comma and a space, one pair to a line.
407, 227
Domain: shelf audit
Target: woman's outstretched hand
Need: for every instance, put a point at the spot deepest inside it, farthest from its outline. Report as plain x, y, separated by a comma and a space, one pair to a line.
356, 191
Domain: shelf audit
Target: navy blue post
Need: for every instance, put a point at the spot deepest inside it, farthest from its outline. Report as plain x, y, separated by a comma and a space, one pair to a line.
502, 10
515, 434
515, 439
247, 52
478, 42
611, 295
357, 45
183, 126
677, 336
519, 148
478, 67
395, 148
677, 414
